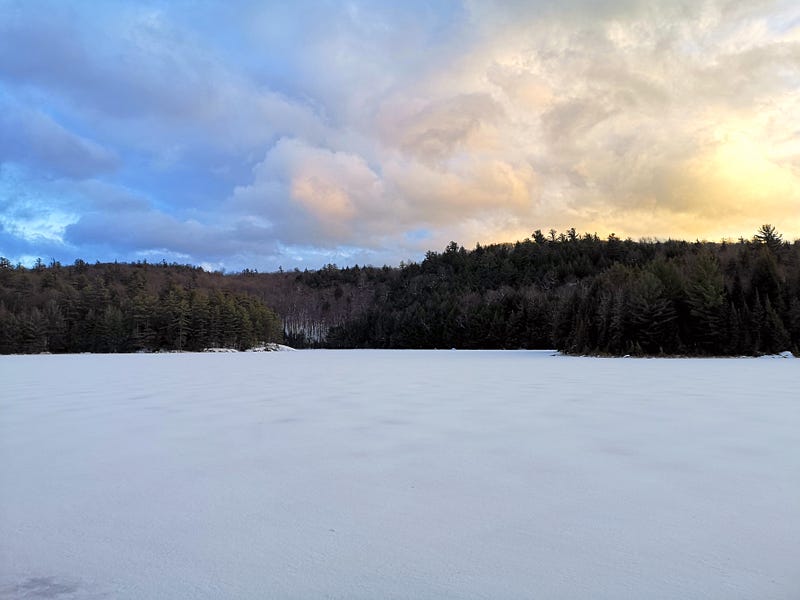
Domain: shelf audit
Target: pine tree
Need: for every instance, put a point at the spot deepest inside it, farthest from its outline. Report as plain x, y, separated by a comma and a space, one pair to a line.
706, 297
769, 236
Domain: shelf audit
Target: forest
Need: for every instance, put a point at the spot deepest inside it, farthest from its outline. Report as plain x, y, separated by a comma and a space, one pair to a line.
583, 295
573, 292
126, 308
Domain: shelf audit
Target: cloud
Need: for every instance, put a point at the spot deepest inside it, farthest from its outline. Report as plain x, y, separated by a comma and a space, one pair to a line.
434, 130
307, 192
145, 81
35, 139
271, 133
653, 116
153, 233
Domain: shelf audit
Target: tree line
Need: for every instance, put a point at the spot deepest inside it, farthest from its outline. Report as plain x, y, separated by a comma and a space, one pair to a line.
574, 292
126, 308
585, 295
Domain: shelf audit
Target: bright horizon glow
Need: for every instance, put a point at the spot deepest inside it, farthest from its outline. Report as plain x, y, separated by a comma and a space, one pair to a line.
295, 136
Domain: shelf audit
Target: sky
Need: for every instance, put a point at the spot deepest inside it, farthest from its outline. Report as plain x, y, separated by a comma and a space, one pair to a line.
262, 135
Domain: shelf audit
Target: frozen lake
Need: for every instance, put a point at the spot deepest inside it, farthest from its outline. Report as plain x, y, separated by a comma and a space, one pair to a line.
398, 474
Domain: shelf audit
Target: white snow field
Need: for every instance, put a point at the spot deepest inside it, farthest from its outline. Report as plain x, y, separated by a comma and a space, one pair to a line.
398, 474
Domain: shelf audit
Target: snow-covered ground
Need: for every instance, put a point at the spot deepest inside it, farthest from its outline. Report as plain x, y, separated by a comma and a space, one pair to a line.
380, 475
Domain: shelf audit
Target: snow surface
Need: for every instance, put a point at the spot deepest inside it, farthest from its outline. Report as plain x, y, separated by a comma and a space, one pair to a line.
411, 474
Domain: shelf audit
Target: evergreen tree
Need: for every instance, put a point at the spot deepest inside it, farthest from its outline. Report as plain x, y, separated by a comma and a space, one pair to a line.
706, 297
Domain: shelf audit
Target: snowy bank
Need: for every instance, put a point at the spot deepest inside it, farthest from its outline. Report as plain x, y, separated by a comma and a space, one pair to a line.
271, 347
784, 354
